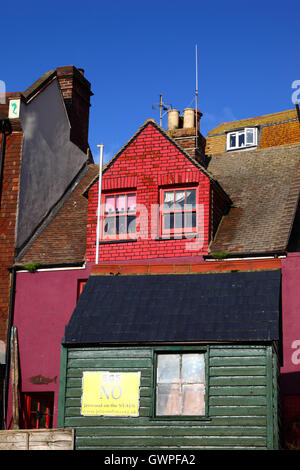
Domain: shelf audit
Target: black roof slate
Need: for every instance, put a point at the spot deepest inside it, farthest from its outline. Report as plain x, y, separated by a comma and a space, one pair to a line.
240, 306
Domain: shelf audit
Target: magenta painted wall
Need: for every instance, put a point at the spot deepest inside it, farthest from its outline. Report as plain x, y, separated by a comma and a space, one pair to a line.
44, 303
290, 371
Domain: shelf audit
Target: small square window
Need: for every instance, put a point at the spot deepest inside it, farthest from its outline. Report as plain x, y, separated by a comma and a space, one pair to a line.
180, 384
246, 137
119, 220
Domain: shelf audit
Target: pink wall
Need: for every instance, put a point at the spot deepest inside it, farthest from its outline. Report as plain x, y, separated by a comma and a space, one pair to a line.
291, 324
44, 302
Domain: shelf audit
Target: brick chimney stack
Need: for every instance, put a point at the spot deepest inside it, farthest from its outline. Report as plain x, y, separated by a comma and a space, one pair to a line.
185, 130
76, 91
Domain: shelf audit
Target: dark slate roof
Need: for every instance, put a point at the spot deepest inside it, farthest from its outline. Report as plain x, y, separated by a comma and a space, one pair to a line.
264, 186
240, 306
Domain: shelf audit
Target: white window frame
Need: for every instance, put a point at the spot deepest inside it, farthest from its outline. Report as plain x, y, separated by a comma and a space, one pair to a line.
181, 382
239, 132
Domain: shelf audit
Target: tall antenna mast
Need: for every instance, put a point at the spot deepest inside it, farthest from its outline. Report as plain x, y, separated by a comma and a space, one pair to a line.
162, 107
196, 96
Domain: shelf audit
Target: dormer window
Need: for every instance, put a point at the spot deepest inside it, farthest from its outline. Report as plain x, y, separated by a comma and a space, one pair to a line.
242, 138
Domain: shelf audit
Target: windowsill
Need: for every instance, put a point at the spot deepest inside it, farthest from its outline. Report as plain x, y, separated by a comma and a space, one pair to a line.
242, 149
176, 237
108, 242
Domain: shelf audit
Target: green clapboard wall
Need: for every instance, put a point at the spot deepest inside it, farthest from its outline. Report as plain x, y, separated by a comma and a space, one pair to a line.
242, 401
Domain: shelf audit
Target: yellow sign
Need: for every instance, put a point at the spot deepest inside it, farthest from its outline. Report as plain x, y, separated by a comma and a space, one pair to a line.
110, 393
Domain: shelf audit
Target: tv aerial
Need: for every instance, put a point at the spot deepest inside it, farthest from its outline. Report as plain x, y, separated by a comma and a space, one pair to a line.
162, 107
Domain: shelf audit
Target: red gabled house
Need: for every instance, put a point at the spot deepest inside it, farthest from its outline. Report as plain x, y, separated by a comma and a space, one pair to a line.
157, 202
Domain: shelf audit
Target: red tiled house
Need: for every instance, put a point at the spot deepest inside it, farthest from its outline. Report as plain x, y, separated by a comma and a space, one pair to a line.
144, 188
44, 151
245, 197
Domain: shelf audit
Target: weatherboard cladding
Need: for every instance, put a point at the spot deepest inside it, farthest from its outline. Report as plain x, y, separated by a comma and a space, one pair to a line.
241, 399
172, 308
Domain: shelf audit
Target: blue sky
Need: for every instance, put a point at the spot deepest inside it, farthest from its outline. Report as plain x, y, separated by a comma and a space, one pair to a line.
133, 51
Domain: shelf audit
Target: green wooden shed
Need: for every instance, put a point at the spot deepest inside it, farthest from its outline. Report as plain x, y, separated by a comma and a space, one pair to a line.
173, 362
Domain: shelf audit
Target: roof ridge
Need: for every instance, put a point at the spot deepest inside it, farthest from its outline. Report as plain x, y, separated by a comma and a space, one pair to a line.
251, 119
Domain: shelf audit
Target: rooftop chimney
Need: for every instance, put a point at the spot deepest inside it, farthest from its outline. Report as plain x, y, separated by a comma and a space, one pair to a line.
185, 130
76, 91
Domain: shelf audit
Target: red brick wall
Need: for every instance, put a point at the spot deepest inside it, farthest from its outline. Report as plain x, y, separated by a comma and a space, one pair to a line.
8, 213
149, 162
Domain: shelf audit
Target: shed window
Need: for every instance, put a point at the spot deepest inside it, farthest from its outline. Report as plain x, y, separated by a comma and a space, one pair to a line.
119, 219
180, 386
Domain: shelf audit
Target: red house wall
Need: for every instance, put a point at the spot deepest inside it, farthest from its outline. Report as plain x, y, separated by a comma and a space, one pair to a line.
151, 161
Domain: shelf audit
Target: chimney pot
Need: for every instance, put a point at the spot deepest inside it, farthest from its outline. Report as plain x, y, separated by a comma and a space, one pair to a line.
173, 119
188, 118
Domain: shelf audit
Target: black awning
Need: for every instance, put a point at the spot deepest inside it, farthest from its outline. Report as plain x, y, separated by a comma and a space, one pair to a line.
240, 306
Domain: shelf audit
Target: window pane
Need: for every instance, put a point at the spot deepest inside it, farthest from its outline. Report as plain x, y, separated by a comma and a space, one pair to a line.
168, 221
179, 199
131, 202
109, 225
232, 140
179, 220
190, 219
191, 198
169, 400
249, 136
193, 368
168, 368
109, 204
121, 203
241, 139
169, 200
121, 224
131, 224
193, 399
